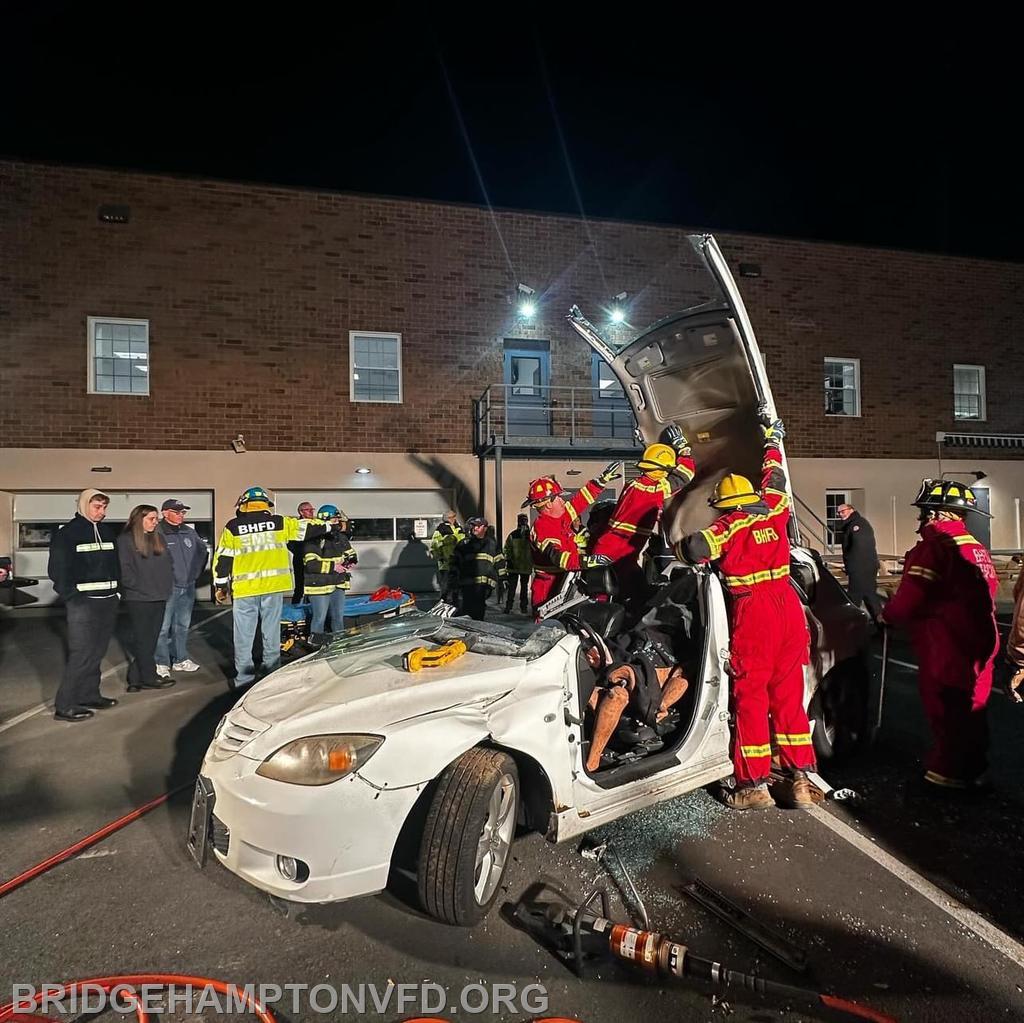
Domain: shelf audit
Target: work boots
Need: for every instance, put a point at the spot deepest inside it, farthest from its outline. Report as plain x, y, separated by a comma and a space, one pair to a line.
751, 797
794, 791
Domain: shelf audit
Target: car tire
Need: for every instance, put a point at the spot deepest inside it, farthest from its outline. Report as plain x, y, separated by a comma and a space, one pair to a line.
840, 711
467, 837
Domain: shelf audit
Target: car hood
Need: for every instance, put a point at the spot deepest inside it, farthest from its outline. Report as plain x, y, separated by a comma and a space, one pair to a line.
701, 369
310, 691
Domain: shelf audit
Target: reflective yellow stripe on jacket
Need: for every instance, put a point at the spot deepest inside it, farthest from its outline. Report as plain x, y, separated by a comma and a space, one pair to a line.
257, 561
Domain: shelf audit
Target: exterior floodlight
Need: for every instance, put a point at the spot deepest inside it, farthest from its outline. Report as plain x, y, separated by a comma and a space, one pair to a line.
363, 470
618, 313
527, 306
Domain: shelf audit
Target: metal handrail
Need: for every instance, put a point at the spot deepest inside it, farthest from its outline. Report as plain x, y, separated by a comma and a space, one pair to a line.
829, 545
572, 408
804, 526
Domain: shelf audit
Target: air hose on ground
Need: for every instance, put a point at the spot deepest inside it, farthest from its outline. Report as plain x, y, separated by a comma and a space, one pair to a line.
97, 836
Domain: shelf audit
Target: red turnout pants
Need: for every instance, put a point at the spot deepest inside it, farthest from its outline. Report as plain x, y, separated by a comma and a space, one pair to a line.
955, 687
769, 648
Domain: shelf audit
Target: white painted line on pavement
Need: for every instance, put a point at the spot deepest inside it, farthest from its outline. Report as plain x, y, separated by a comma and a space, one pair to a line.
23, 716
39, 708
974, 922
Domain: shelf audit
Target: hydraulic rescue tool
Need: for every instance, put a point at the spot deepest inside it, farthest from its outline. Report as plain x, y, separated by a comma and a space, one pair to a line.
582, 934
433, 657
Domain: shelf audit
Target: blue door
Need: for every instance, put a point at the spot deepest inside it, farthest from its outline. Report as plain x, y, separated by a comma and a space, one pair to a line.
527, 389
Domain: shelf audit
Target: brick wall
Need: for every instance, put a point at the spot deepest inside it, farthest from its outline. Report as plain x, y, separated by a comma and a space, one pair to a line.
251, 292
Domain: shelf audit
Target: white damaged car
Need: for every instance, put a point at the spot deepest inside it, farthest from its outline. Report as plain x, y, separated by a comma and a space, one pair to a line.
327, 771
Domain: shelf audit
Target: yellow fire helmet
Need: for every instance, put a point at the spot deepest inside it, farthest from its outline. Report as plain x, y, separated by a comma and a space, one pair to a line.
733, 491
657, 458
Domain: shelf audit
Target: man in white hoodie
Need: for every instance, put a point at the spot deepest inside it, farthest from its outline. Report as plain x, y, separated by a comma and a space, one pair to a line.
84, 569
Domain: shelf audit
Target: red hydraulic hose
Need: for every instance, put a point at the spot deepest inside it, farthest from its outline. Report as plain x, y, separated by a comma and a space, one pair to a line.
855, 1009
97, 836
131, 980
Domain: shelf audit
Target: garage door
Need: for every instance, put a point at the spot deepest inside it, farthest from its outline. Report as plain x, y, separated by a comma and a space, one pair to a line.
37, 514
391, 532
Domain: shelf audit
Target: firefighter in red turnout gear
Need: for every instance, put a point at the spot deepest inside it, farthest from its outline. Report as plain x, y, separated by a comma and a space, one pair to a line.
553, 534
769, 643
946, 599
639, 509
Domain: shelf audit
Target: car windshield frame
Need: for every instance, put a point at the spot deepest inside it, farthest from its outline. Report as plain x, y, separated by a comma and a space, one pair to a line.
364, 647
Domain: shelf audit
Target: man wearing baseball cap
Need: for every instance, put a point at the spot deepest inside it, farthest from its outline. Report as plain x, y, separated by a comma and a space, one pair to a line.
188, 559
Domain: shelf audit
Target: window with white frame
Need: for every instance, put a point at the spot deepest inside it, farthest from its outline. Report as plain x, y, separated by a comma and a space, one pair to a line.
376, 366
833, 523
118, 355
968, 392
842, 387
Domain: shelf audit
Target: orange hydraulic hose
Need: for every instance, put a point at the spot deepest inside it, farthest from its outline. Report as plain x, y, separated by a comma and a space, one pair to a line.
96, 836
855, 1009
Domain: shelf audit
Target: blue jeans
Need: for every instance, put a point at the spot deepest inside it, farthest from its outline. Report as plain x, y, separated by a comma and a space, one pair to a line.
172, 644
324, 602
245, 613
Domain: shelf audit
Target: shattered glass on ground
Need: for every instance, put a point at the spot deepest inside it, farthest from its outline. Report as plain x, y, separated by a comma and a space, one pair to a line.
648, 836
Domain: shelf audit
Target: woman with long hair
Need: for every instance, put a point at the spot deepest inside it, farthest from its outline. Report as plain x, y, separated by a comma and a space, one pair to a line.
147, 581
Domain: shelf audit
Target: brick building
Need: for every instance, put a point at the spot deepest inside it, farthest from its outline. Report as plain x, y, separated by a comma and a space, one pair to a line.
147, 322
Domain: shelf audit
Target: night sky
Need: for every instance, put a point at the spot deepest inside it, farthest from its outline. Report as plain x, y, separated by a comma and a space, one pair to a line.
844, 132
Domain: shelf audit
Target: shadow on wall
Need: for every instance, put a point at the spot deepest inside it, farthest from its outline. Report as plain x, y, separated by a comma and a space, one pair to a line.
414, 569
462, 492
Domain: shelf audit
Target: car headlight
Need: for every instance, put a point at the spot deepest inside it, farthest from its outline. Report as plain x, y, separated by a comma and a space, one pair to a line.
319, 759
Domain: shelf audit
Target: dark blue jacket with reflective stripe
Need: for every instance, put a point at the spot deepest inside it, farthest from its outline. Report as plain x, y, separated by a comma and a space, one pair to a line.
83, 559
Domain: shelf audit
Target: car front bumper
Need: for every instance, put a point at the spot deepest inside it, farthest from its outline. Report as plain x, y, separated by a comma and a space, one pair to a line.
344, 832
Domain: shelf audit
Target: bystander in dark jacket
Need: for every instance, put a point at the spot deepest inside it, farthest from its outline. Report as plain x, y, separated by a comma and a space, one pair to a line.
147, 581
188, 553
860, 559
84, 568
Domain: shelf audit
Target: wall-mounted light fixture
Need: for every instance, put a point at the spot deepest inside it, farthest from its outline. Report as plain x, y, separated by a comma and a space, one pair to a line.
363, 470
525, 303
101, 468
618, 310
238, 445
750, 269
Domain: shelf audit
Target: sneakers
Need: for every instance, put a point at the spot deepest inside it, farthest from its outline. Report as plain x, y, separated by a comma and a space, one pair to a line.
793, 791
185, 665
752, 797
163, 671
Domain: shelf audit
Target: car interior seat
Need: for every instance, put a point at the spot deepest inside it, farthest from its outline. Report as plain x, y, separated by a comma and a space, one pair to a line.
600, 581
606, 619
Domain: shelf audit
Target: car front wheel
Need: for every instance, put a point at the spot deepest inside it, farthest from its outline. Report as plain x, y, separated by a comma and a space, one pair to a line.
467, 837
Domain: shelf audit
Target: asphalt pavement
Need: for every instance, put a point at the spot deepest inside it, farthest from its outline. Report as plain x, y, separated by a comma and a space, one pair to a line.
909, 904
